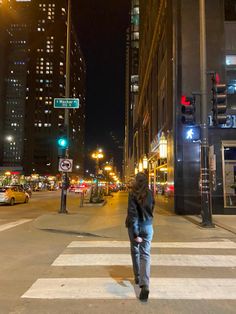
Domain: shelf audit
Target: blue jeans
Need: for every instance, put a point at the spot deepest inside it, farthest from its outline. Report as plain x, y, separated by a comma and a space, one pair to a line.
140, 253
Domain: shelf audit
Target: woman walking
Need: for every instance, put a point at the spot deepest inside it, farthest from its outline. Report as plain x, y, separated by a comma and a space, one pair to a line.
139, 224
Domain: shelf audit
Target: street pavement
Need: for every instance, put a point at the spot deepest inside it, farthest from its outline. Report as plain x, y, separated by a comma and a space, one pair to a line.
193, 269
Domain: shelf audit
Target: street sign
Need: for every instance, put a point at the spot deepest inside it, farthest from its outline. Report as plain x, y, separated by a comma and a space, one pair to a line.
66, 103
65, 165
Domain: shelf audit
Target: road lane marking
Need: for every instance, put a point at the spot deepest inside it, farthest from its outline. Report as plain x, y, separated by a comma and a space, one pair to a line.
125, 244
108, 288
13, 224
156, 260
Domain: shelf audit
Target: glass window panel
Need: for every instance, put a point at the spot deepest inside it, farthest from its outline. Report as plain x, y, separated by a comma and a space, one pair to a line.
230, 176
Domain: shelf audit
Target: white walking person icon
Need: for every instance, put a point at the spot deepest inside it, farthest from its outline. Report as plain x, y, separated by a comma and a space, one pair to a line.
189, 134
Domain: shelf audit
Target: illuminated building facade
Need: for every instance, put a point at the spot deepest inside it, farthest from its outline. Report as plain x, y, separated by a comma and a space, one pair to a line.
169, 68
34, 74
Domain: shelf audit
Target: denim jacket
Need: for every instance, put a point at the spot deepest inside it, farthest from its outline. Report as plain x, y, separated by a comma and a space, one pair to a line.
139, 214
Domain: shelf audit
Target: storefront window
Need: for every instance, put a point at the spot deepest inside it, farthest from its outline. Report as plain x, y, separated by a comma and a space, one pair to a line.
161, 179
229, 175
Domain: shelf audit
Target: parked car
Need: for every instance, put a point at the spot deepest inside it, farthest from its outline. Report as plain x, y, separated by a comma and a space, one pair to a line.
12, 195
25, 187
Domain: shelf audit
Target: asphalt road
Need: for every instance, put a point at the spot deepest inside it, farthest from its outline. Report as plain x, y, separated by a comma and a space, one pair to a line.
42, 271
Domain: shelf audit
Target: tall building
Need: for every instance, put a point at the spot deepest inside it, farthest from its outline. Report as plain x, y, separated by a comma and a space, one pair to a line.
132, 87
169, 68
34, 74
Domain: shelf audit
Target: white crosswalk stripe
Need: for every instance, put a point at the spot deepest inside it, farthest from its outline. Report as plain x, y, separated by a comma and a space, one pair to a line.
157, 260
13, 224
105, 287
125, 244
108, 288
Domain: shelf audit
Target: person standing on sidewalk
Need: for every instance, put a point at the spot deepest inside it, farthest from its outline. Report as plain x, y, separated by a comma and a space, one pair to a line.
139, 223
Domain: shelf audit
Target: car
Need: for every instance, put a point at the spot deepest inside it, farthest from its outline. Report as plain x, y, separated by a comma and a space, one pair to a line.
81, 188
25, 187
12, 195
72, 188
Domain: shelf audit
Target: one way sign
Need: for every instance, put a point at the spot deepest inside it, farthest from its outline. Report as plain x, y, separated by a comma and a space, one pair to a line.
65, 165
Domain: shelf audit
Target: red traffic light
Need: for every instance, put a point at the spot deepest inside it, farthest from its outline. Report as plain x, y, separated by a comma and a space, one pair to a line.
185, 101
188, 110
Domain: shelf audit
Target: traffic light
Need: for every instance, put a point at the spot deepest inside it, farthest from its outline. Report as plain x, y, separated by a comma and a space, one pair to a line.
219, 101
62, 145
188, 110
62, 142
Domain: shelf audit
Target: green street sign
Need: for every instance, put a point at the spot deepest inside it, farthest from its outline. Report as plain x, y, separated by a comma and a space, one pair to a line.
66, 103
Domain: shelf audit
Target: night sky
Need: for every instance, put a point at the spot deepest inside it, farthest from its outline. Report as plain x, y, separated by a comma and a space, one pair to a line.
101, 26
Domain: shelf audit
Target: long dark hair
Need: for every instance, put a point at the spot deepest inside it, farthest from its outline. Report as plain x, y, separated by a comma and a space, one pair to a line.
140, 187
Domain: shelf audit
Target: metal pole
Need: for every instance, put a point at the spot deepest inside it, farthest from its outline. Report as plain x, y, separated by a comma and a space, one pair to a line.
206, 211
97, 170
63, 209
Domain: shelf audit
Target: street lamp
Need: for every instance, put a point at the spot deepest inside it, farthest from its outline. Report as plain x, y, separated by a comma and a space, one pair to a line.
163, 146
107, 168
98, 154
145, 162
140, 166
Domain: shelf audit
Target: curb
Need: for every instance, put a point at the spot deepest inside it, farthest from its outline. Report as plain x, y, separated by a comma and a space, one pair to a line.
94, 204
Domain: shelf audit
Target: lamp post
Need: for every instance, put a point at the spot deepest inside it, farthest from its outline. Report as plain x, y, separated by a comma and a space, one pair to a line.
98, 154
107, 168
65, 178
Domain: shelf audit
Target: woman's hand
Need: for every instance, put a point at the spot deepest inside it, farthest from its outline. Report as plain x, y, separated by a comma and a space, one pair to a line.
138, 240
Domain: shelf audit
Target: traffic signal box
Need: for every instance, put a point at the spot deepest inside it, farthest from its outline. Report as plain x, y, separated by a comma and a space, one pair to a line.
62, 145
219, 102
62, 142
188, 110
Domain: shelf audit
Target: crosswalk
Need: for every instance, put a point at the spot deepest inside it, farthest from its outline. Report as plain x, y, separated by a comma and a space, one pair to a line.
12, 224
202, 271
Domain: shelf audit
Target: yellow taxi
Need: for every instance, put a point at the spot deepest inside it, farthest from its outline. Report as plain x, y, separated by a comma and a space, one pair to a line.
13, 194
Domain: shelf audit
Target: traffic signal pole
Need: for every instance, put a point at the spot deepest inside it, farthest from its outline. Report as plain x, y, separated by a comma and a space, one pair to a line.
65, 178
206, 204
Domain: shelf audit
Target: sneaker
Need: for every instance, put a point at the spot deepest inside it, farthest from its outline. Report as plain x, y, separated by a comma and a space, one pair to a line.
144, 294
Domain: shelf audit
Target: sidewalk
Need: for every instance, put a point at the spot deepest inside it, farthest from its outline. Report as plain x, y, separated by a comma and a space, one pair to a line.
227, 222
108, 221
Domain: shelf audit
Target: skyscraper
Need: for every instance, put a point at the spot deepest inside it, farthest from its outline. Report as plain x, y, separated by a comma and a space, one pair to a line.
132, 87
33, 74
